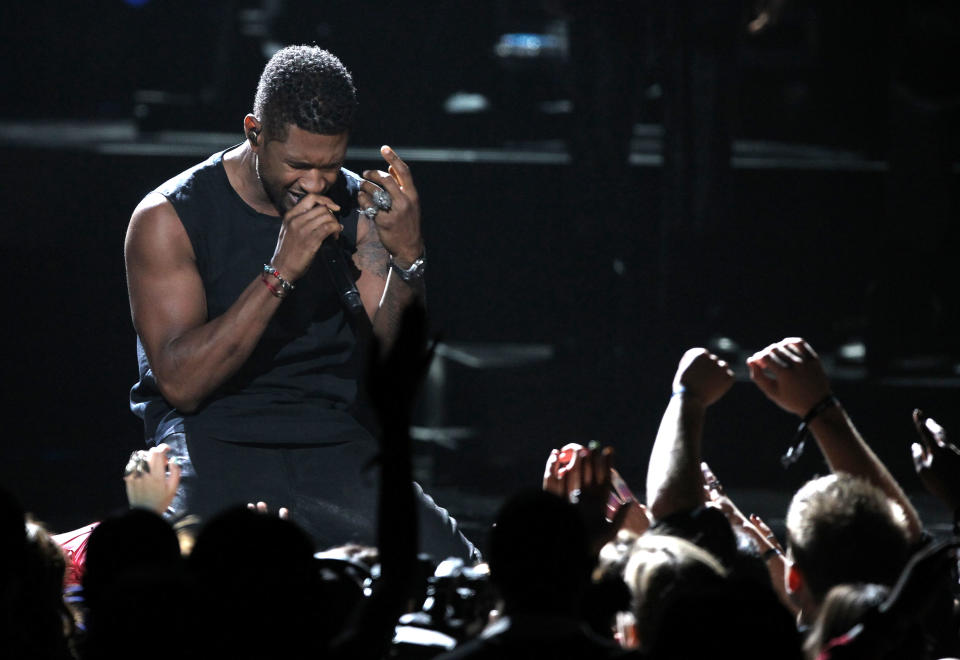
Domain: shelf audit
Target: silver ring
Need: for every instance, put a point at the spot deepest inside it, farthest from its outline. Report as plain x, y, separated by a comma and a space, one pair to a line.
138, 464
370, 212
382, 199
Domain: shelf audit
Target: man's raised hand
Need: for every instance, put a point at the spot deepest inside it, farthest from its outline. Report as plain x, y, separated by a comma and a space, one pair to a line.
790, 374
701, 375
398, 227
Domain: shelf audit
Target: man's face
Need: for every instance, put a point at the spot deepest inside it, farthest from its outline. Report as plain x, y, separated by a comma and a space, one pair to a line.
303, 163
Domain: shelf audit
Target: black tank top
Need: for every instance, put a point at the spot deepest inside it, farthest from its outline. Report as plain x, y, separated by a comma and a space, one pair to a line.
300, 382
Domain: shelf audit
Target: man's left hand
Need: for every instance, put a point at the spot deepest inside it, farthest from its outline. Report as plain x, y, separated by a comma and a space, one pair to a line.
399, 227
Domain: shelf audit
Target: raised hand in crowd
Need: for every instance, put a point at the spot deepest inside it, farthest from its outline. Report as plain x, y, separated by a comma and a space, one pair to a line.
393, 380
395, 372
151, 479
261, 507
771, 551
561, 474
702, 376
752, 525
937, 461
674, 482
585, 477
791, 374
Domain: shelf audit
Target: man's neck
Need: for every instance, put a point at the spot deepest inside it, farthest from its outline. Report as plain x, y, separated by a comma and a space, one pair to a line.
241, 166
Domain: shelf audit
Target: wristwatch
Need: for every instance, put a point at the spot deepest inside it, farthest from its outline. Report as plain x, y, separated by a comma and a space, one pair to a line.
412, 274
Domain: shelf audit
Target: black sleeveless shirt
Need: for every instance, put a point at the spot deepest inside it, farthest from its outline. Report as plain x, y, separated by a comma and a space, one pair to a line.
300, 382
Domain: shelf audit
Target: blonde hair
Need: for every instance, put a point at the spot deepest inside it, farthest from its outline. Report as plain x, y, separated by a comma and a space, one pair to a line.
663, 567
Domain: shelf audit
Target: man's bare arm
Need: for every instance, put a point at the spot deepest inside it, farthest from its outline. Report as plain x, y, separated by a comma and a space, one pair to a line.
791, 375
191, 355
395, 232
674, 481
384, 297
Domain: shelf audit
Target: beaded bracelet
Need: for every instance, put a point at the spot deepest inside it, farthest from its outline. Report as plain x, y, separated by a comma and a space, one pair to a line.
270, 270
279, 293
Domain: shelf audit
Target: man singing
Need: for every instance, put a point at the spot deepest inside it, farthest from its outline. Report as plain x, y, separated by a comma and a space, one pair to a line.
248, 349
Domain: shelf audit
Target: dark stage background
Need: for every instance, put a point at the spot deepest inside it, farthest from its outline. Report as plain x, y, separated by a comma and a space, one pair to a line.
601, 190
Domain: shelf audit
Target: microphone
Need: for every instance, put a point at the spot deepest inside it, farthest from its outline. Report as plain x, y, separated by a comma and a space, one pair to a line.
336, 262
344, 193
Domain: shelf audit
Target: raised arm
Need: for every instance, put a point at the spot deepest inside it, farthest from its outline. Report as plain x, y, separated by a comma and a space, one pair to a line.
674, 482
393, 380
791, 375
190, 354
394, 231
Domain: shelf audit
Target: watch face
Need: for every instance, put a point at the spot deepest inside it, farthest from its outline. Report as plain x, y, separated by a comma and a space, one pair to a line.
414, 271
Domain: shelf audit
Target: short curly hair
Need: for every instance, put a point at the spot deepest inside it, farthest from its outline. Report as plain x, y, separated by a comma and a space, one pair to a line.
308, 87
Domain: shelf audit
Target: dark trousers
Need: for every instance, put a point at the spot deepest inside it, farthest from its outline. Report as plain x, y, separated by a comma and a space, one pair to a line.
330, 490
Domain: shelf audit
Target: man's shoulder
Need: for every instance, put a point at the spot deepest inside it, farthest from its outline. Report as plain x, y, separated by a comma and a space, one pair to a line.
193, 176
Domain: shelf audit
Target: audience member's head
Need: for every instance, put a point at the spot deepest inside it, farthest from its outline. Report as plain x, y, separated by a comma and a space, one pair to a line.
844, 606
133, 578
841, 529
42, 624
687, 605
663, 567
848, 622
540, 557
261, 584
139, 541
44, 568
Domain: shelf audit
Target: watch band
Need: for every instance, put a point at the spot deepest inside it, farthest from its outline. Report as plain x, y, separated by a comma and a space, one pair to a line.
413, 273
